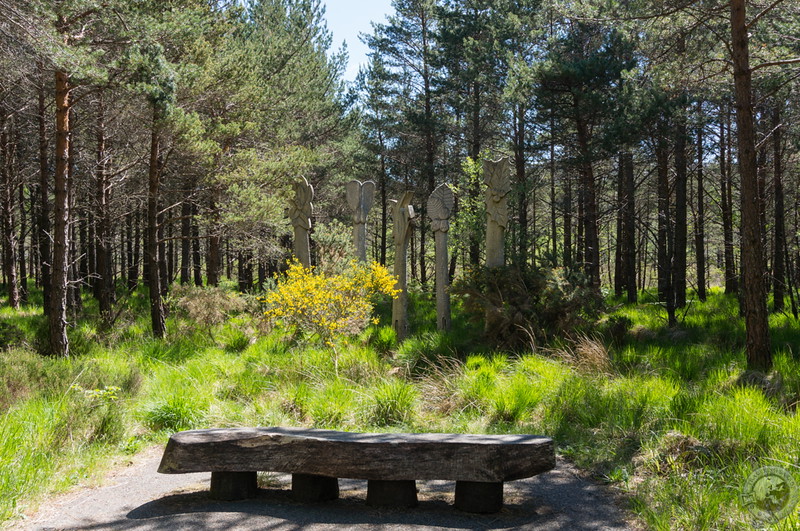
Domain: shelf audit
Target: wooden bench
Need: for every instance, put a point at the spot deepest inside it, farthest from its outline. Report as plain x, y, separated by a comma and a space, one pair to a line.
391, 462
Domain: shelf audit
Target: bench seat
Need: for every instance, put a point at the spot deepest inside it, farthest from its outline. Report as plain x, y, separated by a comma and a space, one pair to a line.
390, 461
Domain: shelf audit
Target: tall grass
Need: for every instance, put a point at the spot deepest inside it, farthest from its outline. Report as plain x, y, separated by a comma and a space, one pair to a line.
668, 415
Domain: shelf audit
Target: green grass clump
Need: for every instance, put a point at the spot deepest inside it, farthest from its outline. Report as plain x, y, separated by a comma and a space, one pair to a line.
391, 403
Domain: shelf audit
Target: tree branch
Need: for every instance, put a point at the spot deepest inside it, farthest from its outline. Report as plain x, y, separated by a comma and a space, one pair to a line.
793, 61
764, 12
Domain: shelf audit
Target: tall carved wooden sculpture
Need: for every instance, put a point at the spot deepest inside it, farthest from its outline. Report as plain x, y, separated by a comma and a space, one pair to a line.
402, 215
360, 197
299, 212
496, 176
440, 206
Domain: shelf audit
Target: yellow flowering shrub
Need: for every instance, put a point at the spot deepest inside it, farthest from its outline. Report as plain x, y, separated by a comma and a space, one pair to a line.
328, 305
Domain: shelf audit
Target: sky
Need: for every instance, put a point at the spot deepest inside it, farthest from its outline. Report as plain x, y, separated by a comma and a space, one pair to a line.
346, 19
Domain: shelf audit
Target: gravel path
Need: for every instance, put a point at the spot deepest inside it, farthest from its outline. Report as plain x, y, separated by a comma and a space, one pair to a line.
136, 497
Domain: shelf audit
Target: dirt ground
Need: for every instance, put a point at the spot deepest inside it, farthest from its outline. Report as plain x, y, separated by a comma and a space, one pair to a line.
135, 497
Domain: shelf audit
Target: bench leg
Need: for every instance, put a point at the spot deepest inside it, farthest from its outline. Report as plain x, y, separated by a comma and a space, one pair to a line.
479, 496
312, 488
231, 486
382, 493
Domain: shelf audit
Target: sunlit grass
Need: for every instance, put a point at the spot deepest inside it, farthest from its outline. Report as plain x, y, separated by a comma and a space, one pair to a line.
671, 416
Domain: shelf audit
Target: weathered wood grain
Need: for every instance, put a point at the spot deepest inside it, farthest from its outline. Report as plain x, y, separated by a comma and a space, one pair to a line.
380, 456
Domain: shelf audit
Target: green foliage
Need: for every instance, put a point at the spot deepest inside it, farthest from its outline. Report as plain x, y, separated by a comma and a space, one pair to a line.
392, 403
10, 335
174, 413
207, 307
524, 308
382, 338
426, 352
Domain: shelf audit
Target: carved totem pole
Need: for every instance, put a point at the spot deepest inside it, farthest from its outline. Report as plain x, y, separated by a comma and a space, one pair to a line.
403, 216
299, 212
496, 175
360, 197
440, 206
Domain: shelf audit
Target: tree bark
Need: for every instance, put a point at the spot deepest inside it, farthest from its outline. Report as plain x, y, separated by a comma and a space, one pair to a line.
699, 231
619, 269
681, 232
213, 262
522, 186
43, 232
104, 281
382, 184
23, 234
7, 218
726, 206
57, 316
591, 236
553, 220
629, 229
186, 241
157, 317
196, 257
778, 264
759, 355
666, 293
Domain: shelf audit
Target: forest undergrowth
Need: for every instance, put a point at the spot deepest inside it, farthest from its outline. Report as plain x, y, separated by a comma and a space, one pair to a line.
669, 416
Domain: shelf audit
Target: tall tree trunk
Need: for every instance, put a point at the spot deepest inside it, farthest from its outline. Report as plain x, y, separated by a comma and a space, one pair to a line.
186, 240
133, 238
591, 236
522, 186
7, 218
759, 355
104, 281
163, 257
74, 275
778, 264
23, 234
568, 222
196, 257
553, 221
619, 269
157, 317
430, 145
170, 253
213, 261
474, 153
43, 229
699, 224
726, 205
57, 316
681, 232
664, 236
629, 229
382, 185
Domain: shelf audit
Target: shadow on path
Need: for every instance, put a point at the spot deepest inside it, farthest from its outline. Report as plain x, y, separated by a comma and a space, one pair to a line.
559, 499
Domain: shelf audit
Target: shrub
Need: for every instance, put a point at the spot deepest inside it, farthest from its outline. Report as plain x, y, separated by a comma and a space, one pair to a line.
207, 306
328, 305
519, 307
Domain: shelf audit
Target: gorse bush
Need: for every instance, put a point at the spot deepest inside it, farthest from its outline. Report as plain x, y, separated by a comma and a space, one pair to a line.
520, 309
328, 305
